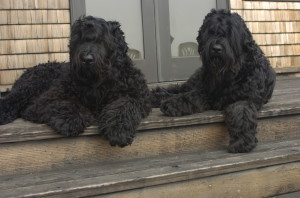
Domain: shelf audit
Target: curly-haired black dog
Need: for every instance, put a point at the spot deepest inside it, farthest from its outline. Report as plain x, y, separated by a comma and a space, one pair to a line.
100, 85
236, 77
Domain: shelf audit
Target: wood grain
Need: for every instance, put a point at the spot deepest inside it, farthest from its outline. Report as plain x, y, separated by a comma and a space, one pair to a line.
269, 15
34, 4
32, 156
277, 39
5, 88
20, 17
15, 32
9, 76
33, 46
281, 50
274, 27
284, 63
102, 179
285, 102
22, 61
240, 4
246, 184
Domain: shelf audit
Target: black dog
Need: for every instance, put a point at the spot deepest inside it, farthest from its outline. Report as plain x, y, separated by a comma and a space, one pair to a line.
236, 77
99, 86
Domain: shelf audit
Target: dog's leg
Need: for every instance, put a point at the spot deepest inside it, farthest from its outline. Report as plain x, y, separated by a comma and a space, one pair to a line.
160, 94
184, 104
119, 120
60, 109
65, 117
241, 118
19, 98
26, 89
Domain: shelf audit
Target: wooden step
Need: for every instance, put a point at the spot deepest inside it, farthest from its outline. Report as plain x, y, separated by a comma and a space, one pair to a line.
273, 169
26, 147
289, 195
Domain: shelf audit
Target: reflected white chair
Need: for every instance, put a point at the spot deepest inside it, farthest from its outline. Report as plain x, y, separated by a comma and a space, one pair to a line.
188, 49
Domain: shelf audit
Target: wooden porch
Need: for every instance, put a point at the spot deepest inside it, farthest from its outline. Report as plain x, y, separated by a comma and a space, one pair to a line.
170, 157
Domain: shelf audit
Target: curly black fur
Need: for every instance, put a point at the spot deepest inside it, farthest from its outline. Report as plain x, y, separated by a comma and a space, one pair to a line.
100, 86
236, 77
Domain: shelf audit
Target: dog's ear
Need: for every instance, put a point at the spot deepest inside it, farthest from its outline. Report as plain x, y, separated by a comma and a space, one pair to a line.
114, 27
246, 36
118, 35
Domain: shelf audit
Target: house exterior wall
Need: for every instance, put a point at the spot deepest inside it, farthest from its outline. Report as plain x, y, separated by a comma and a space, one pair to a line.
31, 32
276, 28
37, 31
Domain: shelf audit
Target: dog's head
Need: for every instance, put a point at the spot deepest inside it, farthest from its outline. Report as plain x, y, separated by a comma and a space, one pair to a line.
95, 45
223, 39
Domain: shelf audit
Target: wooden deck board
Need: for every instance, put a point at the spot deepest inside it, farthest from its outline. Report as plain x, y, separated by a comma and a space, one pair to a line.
109, 178
285, 101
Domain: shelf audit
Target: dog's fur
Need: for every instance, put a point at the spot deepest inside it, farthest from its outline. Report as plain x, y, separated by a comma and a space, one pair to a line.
235, 77
99, 86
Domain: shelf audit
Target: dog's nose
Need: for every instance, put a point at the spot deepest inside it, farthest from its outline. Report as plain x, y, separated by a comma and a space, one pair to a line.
217, 49
88, 58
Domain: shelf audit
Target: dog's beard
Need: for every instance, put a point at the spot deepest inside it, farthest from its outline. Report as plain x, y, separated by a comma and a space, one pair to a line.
90, 73
219, 66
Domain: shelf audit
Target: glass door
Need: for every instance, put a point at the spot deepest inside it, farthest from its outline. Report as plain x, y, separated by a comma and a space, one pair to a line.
161, 34
137, 21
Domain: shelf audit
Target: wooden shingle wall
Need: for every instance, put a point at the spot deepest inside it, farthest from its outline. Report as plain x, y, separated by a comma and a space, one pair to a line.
276, 28
31, 32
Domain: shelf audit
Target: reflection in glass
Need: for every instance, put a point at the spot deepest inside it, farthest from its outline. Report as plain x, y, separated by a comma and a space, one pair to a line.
129, 14
186, 17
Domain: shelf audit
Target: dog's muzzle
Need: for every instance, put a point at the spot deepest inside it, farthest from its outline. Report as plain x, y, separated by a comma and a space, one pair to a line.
87, 58
216, 49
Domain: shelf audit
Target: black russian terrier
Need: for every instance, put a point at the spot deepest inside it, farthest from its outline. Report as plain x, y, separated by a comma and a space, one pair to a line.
235, 77
99, 86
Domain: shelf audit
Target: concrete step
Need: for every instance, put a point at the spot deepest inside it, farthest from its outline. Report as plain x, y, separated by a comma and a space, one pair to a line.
29, 148
271, 170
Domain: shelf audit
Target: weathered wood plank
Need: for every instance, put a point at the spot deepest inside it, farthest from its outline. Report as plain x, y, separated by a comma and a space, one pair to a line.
273, 27
240, 4
285, 101
5, 88
15, 32
20, 17
285, 64
9, 76
281, 50
34, 4
277, 39
34, 46
289, 195
22, 61
22, 157
269, 15
24, 131
246, 184
101, 179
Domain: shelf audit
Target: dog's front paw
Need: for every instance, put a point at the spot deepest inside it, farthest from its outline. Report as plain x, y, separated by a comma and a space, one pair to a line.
117, 135
69, 127
171, 108
242, 146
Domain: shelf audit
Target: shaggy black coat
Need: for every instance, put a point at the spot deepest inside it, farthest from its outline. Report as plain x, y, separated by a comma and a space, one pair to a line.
235, 77
99, 86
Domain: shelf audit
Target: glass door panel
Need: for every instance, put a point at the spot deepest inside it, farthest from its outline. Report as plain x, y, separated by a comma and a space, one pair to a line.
131, 21
186, 17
